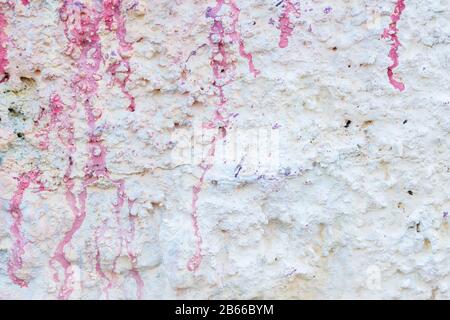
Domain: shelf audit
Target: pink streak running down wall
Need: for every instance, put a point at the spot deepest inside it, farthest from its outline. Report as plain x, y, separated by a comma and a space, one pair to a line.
391, 33
3, 46
284, 22
81, 24
220, 38
25, 181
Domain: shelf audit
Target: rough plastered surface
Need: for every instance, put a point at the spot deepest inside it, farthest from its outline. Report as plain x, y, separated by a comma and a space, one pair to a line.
224, 149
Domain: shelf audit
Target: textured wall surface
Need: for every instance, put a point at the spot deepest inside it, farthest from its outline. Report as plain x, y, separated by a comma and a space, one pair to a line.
224, 149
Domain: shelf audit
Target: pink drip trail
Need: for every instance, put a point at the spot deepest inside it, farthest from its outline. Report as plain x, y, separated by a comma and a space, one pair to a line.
25, 180
133, 257
3, 48
223, 68
59, 121
121, 70
391, 33
285, 25
81, 25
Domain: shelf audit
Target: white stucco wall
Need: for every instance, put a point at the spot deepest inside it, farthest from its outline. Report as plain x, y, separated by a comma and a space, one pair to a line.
322, 175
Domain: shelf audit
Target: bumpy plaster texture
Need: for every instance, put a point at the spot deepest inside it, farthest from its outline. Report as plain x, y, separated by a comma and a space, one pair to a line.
224, 149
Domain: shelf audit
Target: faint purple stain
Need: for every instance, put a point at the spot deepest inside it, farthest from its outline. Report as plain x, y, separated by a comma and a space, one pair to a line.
276, 126
327, 10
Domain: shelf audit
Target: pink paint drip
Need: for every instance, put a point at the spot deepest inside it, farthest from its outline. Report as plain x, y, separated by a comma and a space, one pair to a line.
132, 255
391, 33
285, 25
223, 68
121, 70
25, 180
98, 264
81, 25
230, 32
3, 49
60, 121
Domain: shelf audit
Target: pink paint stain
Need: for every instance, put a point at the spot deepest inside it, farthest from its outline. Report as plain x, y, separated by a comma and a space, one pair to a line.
25, 180
121, 70
125, 237
3, 48
195, 261
25, 2
285, 25
391, 33
133, 257
59, 121
223, 67
81, 26
222, 34
98, 264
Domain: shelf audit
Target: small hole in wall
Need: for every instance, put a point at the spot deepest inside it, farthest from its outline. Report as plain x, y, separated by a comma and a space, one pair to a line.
28, 81
197, 104
20, 135
347, 123
37, 72
349, 66
334, 48
405, 122
156, 204
427, 244
410, 192
367, 123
